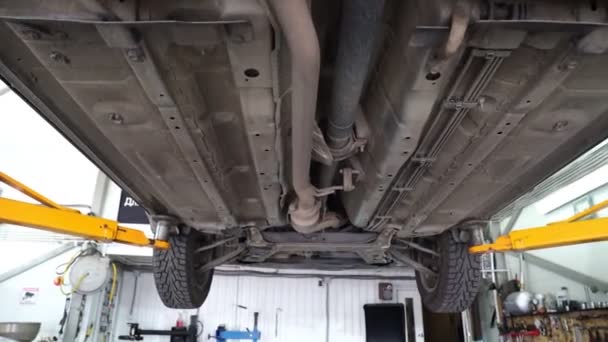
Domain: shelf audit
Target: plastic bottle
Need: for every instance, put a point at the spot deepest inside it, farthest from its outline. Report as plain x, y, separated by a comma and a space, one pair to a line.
180, 321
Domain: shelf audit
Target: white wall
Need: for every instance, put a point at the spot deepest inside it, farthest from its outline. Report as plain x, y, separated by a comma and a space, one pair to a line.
49, 306
346, 300
291, 309
35, 154
539, 280
38, 156
585, 258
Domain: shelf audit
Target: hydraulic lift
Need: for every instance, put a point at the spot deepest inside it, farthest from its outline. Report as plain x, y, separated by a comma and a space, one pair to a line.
56, 218
53, 217
572, 231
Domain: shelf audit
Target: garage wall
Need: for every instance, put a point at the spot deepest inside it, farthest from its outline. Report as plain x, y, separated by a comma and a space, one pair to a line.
582, 258
32, 151
346, 300
35, 154
38, 156
586, 258
292, 308
540, 280
48, 308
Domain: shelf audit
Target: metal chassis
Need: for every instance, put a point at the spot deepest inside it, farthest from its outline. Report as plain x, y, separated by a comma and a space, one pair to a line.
373, 252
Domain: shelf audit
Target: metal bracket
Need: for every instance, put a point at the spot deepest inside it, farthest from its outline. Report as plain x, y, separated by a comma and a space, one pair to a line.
163, 229
348, 183
456, 103
234, 254
485, 53
355, 145
320, 151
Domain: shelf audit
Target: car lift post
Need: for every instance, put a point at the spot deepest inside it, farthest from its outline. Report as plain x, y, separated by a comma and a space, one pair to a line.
56, 218
571, 231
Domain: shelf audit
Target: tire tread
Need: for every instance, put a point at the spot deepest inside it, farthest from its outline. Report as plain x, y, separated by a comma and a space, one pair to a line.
174, 276
460, 278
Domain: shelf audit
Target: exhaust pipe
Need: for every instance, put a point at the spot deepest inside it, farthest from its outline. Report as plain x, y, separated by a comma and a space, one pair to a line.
360, 27
299, 31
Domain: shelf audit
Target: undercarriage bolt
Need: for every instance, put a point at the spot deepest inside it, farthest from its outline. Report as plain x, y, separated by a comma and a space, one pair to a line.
59, 57
135, 55
116, 118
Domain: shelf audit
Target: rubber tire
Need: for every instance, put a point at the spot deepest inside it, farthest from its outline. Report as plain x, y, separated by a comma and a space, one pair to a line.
459, 277
177, 282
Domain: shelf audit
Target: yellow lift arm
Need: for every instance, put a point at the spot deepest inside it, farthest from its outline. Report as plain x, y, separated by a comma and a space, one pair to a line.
571, 231
59, 219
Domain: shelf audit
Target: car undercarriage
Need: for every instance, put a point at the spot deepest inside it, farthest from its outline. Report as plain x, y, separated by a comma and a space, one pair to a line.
299, 133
